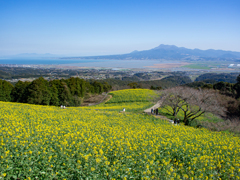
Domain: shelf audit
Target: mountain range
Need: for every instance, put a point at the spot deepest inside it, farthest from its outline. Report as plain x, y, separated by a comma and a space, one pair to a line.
170, 52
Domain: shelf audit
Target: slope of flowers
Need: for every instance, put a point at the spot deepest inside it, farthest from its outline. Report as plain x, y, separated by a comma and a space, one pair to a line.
41, 142
132, 95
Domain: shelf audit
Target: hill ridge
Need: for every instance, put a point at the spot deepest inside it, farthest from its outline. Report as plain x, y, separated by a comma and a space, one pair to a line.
169, 52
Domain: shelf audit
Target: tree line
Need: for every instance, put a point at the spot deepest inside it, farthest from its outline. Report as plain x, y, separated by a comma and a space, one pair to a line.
164, 83
225, 88
224, 77
68, 92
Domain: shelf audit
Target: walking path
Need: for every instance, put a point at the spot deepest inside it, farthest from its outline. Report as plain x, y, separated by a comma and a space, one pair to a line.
148, 111
106, 95
153, 107
157, 105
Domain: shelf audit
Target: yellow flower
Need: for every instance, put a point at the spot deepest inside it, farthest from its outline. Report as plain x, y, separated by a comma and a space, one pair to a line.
97, 135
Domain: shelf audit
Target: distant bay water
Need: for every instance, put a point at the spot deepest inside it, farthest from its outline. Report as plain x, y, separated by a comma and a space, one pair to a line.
86, 62
42, 61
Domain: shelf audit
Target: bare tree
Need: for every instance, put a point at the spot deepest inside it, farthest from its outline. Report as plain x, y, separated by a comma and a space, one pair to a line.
193, 102
172, 100
198, 102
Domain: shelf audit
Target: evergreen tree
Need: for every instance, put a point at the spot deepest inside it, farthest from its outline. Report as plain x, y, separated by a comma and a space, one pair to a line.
65, 97
219, 86
89, 88
5, 90
54, 98
77, 86
236, 87
106, 87
18, 93
98, 87
38, 92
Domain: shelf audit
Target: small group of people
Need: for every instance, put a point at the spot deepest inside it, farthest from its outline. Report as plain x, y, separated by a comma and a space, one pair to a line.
176, 121
154, 111
63, 107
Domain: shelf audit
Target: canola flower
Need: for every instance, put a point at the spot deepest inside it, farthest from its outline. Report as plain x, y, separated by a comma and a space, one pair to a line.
101, 143
132, 95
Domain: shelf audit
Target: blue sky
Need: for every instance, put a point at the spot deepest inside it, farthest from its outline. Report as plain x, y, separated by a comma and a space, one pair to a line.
87, 27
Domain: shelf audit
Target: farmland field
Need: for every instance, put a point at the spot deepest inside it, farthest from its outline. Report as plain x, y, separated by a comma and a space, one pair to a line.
100, 142
197, 66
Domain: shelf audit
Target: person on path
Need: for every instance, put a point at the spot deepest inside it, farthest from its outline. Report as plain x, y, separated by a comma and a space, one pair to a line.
175, 121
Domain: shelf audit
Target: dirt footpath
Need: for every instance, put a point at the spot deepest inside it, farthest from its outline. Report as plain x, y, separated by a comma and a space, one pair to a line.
153, 107
157, 105
96, 99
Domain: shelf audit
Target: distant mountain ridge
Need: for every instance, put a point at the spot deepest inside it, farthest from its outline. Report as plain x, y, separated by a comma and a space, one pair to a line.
170, 52
32, 56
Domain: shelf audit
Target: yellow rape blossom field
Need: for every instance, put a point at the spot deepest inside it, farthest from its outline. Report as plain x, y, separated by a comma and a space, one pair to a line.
100, 142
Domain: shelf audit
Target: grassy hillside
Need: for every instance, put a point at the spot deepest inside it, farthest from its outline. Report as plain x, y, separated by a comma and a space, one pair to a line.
99, 142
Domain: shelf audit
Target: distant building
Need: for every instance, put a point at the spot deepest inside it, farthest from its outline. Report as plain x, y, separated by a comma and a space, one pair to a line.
231, 65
